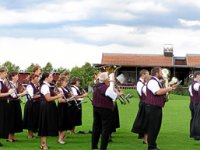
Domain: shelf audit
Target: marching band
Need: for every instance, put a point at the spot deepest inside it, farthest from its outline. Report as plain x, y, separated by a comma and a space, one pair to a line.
45, 116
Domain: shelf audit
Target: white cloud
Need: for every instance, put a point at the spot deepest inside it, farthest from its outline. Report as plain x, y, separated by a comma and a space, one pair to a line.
189, 23
107, 34
68, 53
60, 52
54, 12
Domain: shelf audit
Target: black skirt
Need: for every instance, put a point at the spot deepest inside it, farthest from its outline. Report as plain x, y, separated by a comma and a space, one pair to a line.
48, 119
36, 112
77, 114
4, 119
28, 115
15, 117
115, 121
31, 115
64, 116
139, 125
195, 125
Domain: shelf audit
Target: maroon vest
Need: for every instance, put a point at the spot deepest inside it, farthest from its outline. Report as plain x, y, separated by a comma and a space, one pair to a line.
100, 99
52, 93
155, 100
4, 89
196, 94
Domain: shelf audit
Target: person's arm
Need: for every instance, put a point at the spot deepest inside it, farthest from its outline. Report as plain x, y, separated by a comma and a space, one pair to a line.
112, 94
49, 98
46, 92
10, 91
154, 87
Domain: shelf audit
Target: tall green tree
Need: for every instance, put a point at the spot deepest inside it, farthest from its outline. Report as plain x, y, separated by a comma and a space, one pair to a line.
10, 66
48, 67
85, 73
30, 68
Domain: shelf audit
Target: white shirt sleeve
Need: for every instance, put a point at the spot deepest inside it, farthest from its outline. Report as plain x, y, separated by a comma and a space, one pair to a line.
190, 90
144, 89
139, 88
153, 86
74, 91
110, 93
196, 86
29, 88
45, 89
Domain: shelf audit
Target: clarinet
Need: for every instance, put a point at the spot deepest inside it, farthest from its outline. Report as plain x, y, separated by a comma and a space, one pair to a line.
13, 87
76, 103
64, 97
82, 89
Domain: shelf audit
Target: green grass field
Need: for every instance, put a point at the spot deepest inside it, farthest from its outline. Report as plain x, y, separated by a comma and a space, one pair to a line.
174, 133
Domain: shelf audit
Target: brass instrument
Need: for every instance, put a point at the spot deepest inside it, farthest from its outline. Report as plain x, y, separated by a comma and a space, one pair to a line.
167, 83
112, 69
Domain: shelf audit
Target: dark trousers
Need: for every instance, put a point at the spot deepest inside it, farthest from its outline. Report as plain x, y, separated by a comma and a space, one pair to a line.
154, 120
101, 125
191, 120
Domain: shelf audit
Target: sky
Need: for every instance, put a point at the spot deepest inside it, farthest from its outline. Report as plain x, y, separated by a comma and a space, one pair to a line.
69, 33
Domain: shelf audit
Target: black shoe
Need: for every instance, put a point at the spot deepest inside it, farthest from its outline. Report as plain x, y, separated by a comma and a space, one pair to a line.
1, 145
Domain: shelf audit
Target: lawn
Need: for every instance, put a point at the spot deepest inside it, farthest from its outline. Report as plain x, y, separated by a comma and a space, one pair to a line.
174, 134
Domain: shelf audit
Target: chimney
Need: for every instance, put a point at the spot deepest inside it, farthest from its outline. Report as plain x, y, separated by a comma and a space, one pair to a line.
168, 50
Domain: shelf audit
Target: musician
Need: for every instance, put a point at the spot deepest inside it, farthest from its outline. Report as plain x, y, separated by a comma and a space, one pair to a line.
155, 100
139, 123
32, 106
14, 108
75, 87
195, 106
64, 109
48, 121
103, 105
4, 94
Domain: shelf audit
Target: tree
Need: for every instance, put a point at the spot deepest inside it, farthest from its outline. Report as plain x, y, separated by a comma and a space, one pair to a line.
10, 66
30, 68
61, 70
48, 67
85, 73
